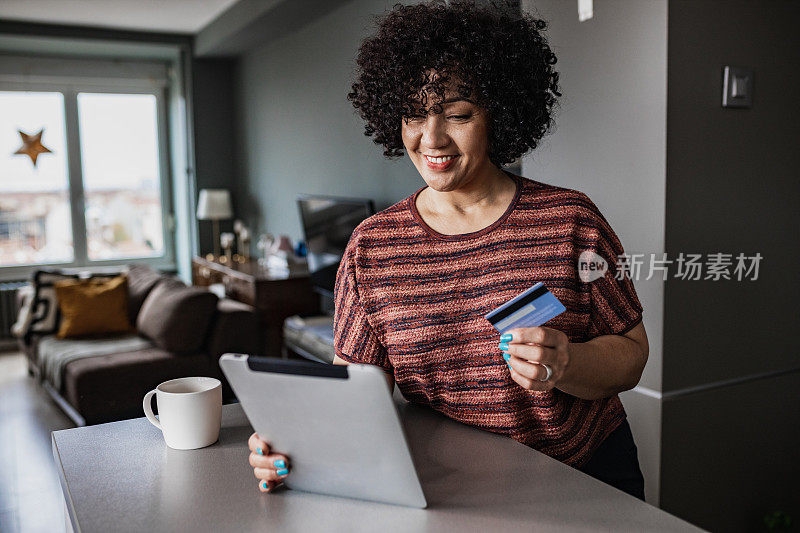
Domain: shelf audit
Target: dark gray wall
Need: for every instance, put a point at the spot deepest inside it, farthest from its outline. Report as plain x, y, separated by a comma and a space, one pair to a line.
733, 187
297, 131
729, 452
214, 136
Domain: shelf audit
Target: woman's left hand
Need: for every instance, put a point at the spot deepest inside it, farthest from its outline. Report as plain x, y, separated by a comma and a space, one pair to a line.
528, 349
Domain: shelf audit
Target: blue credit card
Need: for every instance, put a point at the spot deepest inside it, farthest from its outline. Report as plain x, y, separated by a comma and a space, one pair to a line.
532, 308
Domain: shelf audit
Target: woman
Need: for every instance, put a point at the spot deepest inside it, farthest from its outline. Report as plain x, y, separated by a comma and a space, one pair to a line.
464, 90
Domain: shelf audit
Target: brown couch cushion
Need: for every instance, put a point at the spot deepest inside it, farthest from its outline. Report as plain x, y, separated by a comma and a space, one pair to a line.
176, 317
92, 306
111, 387
141, 280
235, 329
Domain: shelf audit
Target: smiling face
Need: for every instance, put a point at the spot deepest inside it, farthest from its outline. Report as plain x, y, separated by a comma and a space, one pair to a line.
449, 148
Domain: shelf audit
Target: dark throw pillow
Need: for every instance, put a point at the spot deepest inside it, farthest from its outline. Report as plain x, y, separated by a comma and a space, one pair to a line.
141, 280
176, 317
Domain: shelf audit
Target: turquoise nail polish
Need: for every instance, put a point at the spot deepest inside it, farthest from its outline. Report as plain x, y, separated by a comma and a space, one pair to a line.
505, 337
279, 463
264, 484
259, 451
506, 357
503, 346
283, 472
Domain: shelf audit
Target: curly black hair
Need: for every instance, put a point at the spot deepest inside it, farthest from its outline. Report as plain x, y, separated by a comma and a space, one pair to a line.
493, 54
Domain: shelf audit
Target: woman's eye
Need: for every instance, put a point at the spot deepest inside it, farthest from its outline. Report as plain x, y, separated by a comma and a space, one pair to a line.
459, 117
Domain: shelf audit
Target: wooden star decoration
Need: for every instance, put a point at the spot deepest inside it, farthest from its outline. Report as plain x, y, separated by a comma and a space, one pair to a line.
32, 145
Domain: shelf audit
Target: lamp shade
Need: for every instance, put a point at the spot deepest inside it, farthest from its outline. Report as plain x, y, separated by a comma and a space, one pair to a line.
214, 204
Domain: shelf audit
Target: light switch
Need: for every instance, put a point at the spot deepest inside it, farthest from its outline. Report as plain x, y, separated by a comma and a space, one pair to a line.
737, 87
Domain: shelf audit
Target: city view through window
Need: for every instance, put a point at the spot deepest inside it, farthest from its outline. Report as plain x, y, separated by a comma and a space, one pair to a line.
119, 149
121, 179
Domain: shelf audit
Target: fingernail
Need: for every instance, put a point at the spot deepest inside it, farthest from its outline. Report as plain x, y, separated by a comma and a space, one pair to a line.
264, 485
279, 463
503, 346
259, 451
505, 337
283, 472
506, 357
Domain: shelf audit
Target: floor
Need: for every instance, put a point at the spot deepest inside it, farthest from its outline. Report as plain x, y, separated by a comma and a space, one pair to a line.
30, 494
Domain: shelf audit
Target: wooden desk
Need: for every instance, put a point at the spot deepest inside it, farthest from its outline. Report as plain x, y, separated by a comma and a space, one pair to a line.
122, 477
275, 296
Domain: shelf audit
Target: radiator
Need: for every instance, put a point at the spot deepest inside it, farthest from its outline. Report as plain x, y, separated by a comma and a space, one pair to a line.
8, 309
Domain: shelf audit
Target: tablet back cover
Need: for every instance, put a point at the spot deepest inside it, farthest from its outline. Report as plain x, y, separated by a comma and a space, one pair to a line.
337, 424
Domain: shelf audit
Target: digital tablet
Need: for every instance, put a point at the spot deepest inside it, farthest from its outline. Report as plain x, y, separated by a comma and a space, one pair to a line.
337, 424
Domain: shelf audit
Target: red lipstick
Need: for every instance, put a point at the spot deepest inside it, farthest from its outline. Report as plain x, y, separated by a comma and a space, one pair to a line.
440, 166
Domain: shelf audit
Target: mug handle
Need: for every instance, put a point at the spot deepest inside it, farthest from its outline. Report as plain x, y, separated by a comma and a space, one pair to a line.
148, 409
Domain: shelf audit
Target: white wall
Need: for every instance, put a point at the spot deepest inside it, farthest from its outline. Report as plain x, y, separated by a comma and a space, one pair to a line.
610, 142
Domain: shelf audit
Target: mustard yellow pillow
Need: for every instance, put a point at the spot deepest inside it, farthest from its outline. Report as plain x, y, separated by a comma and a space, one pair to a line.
92, 306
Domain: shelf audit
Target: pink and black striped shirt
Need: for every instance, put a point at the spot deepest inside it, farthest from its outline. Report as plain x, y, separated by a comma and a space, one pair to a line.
411, 301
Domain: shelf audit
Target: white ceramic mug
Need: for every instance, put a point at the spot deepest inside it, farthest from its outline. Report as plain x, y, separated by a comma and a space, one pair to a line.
189, 411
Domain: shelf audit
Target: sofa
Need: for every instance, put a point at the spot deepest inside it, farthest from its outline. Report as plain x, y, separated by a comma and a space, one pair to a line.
176, 331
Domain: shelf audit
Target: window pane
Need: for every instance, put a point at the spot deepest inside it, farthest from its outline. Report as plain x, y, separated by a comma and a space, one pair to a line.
121, 182
35, 222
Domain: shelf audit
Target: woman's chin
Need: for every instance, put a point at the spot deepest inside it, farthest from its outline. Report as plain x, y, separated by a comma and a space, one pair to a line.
440, 185
441, 181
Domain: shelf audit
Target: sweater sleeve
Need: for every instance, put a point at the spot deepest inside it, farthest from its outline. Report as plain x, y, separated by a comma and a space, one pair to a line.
615, 307
353, 337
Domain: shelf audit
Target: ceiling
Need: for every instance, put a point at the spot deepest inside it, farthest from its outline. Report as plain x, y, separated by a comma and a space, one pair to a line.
169, 16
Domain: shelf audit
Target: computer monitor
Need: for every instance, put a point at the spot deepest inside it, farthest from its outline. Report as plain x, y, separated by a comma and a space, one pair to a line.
328, 222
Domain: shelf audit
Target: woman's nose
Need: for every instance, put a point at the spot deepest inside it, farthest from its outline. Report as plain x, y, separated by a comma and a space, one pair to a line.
434, 132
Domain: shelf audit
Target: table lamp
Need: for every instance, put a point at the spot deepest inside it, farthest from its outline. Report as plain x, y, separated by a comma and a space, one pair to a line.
214, 205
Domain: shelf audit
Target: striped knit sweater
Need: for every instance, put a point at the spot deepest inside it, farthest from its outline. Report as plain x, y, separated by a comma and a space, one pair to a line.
411, 301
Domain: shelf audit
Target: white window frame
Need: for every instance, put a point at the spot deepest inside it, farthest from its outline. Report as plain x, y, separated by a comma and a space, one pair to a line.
70, 90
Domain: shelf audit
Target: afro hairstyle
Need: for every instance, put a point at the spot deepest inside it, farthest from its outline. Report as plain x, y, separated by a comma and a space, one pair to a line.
492, 54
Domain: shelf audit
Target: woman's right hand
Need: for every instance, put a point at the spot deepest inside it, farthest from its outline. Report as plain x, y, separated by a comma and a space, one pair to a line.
269, 468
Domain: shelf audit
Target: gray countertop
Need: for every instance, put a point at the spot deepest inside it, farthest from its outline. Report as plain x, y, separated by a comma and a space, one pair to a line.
122, 477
